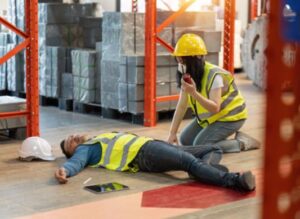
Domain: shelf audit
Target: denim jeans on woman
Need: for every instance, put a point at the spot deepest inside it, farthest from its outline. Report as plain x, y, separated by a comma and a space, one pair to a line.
158, 156
216, 133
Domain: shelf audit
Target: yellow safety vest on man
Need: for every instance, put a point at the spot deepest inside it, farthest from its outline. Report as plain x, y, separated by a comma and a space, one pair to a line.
233, 107
118, 150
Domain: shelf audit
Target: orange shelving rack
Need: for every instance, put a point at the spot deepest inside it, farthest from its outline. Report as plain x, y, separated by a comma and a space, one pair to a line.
30, 44
281, 194
254, 7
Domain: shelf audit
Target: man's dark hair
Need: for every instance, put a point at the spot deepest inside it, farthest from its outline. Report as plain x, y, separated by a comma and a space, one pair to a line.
62, 146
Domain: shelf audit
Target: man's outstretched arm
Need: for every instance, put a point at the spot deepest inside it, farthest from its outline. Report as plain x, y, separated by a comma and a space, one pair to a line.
74, 165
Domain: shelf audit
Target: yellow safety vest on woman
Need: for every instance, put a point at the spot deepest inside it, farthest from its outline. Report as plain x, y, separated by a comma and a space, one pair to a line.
233, 107
118, 150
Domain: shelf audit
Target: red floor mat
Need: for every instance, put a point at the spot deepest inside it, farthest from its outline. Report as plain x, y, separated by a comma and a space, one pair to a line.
193, 195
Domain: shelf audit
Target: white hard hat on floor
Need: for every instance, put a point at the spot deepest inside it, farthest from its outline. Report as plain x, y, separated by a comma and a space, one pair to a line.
36, 148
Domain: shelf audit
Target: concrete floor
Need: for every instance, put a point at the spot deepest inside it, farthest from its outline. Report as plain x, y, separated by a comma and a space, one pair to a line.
29, 189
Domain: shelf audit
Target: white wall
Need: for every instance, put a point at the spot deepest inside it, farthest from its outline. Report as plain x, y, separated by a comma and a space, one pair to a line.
107, 5
3, 5
242, 9
126, 5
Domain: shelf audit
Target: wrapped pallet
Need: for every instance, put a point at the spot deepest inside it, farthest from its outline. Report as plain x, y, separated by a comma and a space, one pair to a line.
59, 33
15, 70
67, 86
91, 31
4, 41
85, 76
51, 73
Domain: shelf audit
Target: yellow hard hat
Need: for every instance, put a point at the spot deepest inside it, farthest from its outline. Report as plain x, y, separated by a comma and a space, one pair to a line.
190, 45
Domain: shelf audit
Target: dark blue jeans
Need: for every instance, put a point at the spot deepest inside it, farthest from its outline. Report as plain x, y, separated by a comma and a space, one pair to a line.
159, 156
215, 133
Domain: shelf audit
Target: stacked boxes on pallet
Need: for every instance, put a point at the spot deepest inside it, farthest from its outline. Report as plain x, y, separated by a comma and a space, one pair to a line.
59, 33
124, 35
15, 65
85, 76
131, 86
16, 16
4, 41
122, 65
92, 31
55, 66
15, 71
59, 24
67, 86
98, 71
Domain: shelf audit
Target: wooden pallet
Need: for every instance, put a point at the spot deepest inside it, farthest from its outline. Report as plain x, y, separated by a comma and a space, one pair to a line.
116, 114
20, 94
87, 108
48, 101
13, 133
139, 118
65, 104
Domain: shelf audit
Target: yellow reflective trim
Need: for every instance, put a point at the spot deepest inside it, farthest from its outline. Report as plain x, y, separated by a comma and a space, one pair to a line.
231, 101
120, 149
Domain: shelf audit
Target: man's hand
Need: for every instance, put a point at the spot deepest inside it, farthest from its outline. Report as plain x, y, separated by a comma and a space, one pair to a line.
61, 175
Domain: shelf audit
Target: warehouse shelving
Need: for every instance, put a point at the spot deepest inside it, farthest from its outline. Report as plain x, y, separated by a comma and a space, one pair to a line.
254, 12
30, 44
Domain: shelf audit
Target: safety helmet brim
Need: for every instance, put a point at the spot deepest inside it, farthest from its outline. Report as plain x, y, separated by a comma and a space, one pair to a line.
29, 157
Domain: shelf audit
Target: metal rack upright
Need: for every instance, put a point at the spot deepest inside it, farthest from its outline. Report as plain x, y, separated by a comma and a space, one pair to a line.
30, 44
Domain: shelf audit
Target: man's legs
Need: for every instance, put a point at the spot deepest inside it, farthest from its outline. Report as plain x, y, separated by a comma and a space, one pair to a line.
157, 156
210, 154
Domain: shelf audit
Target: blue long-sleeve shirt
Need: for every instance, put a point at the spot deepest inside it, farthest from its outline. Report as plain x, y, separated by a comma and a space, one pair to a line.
83, 156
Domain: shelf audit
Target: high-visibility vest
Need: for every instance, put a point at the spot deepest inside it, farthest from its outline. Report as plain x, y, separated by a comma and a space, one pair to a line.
233, 107
118, 150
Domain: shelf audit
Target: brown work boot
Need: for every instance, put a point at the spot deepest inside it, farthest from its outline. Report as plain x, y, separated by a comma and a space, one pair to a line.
245, 182
247, 142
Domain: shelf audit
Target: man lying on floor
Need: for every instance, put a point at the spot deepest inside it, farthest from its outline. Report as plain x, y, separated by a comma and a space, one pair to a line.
128, 152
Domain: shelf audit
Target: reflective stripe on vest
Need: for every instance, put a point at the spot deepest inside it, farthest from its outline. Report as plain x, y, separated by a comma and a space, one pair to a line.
232, 107
118, 149
211, 76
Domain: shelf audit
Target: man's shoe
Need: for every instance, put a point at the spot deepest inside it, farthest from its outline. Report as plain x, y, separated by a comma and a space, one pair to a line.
247, 142
245, 182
